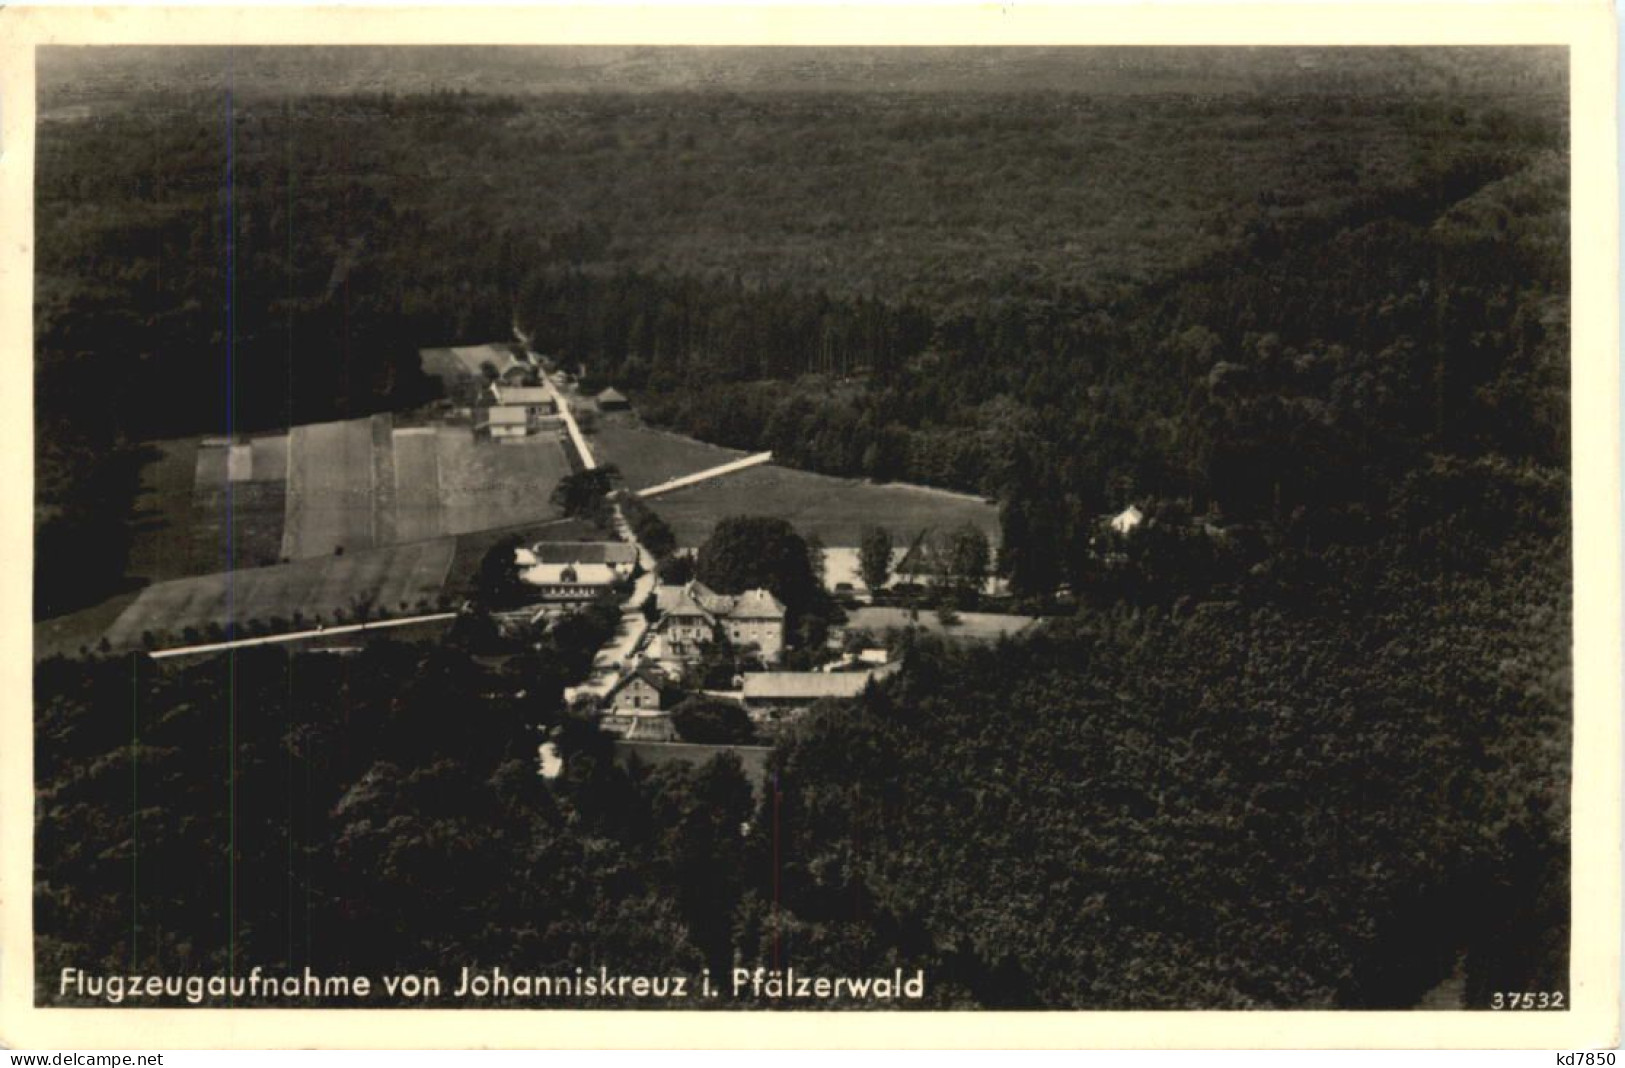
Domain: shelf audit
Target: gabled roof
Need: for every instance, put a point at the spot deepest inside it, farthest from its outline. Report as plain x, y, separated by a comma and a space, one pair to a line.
717, 604
503, 415
693, 598
650, 674
524, 395
584, 552
757, 604
804, 685
612, 395
696, 598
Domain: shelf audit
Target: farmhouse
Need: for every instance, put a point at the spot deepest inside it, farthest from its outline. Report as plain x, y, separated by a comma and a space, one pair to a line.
645, 688
617, 554
567, 571
507, 423
535, 400
690, 616
568, 582
1127, 520
612, 400
640, 704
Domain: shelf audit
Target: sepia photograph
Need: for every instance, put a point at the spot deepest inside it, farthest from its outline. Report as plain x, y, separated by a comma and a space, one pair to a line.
802, 528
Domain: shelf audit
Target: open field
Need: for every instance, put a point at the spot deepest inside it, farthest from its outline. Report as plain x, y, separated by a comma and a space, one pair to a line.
270, 459
237, 524
384, 578
65, 635
329, 489
649, 457
417, 484
485, 485
238, 508
356, 484
836, 509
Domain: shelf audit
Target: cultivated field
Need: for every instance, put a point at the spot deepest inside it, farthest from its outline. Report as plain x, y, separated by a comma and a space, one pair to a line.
484, 485
382, 578
330, 489
211, 505
239, 497
270, 459
836, 509
237, 524
417, 484
649, 457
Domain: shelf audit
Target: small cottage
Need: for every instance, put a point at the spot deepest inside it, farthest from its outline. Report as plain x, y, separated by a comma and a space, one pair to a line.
639, 705
505, 423
1127, 520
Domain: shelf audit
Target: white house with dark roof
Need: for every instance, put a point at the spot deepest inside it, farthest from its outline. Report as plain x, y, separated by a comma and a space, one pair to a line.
506, 423
566, 571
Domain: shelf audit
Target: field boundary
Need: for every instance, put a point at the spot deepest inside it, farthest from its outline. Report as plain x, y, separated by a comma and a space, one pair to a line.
706, 475
272, 639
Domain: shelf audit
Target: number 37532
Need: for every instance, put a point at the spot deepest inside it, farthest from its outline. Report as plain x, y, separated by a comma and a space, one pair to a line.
1545, 999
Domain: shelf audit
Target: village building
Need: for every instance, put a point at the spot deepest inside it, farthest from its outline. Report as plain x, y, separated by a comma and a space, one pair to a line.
639, 705
773, 693
537, 401
578, 583
1127, 520
517, 372
617, 554
505, 423
567, 572
691, 616
518, 411
613, 400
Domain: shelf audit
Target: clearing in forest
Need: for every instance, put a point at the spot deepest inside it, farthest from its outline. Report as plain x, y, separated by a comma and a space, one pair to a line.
649, 457
835, 509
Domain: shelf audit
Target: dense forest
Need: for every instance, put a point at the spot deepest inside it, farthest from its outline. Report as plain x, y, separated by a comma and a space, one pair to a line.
900, 285
1305, 742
